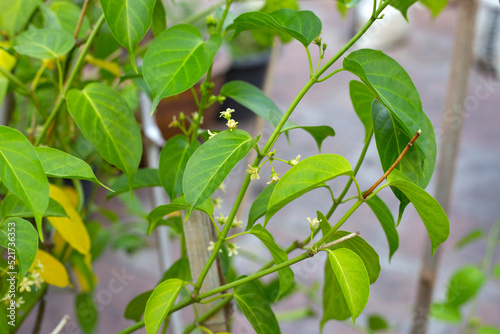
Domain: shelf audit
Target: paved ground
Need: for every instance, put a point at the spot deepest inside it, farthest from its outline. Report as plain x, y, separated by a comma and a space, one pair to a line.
475, 203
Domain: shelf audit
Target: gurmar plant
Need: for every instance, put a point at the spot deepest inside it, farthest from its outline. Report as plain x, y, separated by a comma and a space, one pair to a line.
71, 113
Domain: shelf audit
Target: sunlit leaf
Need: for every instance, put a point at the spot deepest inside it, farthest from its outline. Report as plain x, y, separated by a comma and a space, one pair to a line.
44, 43
54, 272
160, 302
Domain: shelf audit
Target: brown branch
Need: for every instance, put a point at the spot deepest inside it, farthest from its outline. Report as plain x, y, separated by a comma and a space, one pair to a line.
398, 160
338, 241
80, 19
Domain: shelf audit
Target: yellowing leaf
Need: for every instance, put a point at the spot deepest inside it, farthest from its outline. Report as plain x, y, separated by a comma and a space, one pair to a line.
109, 66
72, 195
59, 243
71, 228
7, 61
54, 272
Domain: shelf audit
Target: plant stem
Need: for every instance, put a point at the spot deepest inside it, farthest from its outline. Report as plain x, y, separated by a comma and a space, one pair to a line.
80, 19
398, 160
338, 241
72, 76
208, 314
39, 315
14, 80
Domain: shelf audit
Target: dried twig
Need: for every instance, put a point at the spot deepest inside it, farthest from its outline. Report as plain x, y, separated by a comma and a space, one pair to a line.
60, 326
338, 241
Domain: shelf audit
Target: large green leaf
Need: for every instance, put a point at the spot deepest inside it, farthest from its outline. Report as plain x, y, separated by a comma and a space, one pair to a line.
63, 165
403, 6
464, 285
304, 25
173, 159
252, 301
436, 6
178, 59
16, 14
22, 173
12, 206
128, 21
363, 249
395, 90
211, 163
66, 17
19, 234
308, 174
385, 218
334, 304
177, 205
286, 276
362, 98
44, 43
259, 206
86, 312
106, 121
319, 133
160, 302
159, 23
353, 279
145, 177
430, 211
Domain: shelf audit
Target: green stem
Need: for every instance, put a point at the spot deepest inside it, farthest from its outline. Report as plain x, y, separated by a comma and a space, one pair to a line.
60, 75
331, 74
217, 297
75, 71
14, 80
311, 70
208, 314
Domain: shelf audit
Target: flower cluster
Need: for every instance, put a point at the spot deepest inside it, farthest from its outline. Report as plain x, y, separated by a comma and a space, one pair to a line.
32, 279
231, 123
254, 172
313, 224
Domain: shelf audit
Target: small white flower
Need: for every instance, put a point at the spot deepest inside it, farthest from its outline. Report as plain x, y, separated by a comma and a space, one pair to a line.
254, 172
226, 114
221, 219
174, 123
237, 223
212, 246
313, 224
6, 298
211, 134
222, 187
39, 266
295, 161
37, 280
231, 124
275, 177
25, 285
19, 302
218, 202
232, 249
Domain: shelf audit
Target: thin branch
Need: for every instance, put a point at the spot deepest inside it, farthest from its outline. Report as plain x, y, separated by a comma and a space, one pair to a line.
80, 19
398, 160
338, 241
60, 326
40, 314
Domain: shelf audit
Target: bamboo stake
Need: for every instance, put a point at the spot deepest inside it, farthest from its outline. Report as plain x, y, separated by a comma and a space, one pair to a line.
454, 112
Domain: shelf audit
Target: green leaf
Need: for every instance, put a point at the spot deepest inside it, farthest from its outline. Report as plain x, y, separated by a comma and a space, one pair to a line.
377, 322
44, 43
362, 249
22, 173
159, 23
99, 238
252, 301
308, 174
286, 276
496, 271
4, 85
173, 159
178, 59
395, 90
353, 279
16, 14
473, 235
324, 225
106, 121
349, 3
180, 269
145, 177
160, 302
488, 330
403, 6
254, 99
12, 206
67, 15
211, 163
362, 98
86, 312
128, 21
436, 6
135, 308
177, 205
464, 285
385, 218
334, 304
19, 234
446, 313
319, 133
259, 205
63, 165
303, 25
429, 210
